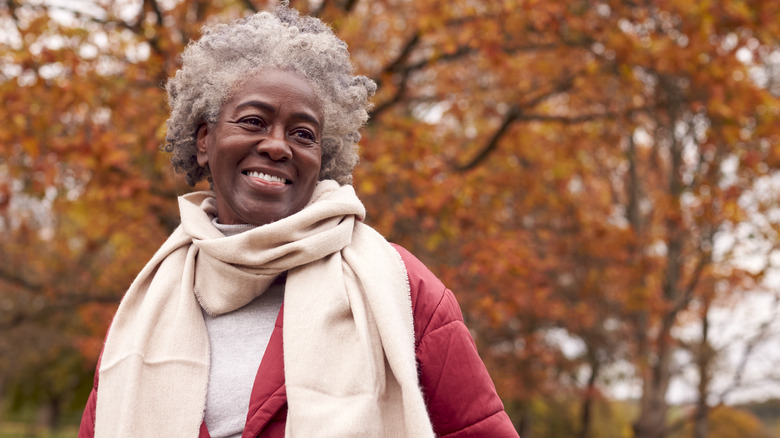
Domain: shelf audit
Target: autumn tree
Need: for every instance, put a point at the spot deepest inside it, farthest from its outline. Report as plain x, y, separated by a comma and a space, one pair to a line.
584, 179
85, 196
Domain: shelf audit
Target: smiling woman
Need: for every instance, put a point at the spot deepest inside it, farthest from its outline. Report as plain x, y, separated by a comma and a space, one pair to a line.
264, 151
273, 310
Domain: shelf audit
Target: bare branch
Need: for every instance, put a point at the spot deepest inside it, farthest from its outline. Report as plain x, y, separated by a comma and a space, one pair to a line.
574, 120
749, 350
394, 66
516, 115
398, 66
12, 6
406, 72
510, 117
17, 280
152, 4
687, 294
459, 53
137, 27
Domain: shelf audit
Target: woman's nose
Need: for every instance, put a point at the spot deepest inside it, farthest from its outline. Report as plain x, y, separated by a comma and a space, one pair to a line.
275, 145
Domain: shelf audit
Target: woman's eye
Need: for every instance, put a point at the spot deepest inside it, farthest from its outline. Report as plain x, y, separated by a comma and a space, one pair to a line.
253, 121
304, 134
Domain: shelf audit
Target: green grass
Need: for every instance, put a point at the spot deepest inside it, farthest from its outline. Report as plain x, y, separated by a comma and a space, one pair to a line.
26, 430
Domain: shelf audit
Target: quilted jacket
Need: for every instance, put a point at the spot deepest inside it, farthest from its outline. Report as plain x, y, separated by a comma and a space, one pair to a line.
459, 394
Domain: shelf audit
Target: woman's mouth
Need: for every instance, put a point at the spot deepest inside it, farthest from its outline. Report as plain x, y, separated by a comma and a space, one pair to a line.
266, 177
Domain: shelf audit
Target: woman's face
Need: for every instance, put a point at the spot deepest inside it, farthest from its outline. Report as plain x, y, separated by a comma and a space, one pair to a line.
264, 151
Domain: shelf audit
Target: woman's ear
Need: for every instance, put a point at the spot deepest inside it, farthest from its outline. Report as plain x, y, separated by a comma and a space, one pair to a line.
201, 136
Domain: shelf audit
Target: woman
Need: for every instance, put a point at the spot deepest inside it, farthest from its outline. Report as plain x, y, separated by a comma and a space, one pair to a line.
273, 310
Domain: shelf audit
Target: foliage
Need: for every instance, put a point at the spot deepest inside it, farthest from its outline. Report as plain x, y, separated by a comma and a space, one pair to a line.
766, 410
727, 422
559, 416
584, 175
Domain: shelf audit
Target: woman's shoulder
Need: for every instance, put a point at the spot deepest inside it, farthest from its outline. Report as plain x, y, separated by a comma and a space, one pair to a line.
433, 304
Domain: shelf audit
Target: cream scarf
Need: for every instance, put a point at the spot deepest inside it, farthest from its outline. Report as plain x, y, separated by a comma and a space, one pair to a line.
348, 333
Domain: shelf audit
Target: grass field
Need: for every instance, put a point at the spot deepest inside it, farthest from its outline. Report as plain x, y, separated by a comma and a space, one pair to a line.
24, 430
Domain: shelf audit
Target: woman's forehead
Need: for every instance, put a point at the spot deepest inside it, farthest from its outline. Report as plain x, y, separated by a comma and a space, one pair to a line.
271, 86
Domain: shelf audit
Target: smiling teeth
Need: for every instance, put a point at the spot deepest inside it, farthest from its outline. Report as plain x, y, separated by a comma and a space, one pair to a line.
266, 177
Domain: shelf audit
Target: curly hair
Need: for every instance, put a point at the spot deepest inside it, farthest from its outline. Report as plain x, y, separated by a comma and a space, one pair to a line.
227, 53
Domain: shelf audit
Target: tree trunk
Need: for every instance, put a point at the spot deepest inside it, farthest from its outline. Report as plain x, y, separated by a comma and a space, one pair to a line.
49, 414
654, 374
653, 408
700, 425
587, 402
657, 373
657, 355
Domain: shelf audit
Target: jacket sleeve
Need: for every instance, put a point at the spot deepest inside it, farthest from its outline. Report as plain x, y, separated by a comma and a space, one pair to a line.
458, 391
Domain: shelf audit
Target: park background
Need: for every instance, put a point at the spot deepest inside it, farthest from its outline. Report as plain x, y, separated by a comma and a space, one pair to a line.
597, 181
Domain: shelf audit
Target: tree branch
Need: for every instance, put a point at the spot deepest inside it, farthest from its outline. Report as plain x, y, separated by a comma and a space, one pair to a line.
516, 115
511, 116
397, 66
460, 52
748, 351
152, 4
405, 74
687, 294
394, 66
18, 280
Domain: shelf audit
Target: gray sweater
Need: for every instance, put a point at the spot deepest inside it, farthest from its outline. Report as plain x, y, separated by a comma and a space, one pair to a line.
237, 343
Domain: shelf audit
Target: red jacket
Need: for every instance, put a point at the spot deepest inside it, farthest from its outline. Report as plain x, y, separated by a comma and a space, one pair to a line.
459, 394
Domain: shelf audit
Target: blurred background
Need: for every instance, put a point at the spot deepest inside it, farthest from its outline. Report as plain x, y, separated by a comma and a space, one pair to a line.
597, 181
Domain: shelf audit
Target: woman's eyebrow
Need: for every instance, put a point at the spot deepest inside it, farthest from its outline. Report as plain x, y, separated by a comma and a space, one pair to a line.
305, 116
256, 104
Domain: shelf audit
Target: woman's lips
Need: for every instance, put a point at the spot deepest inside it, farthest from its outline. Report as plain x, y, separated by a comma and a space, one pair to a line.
271, 179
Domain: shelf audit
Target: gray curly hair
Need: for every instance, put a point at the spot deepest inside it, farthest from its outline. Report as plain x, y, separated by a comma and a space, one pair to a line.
227, 53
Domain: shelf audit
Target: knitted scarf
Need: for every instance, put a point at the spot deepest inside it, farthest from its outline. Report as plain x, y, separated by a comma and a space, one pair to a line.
348, 333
